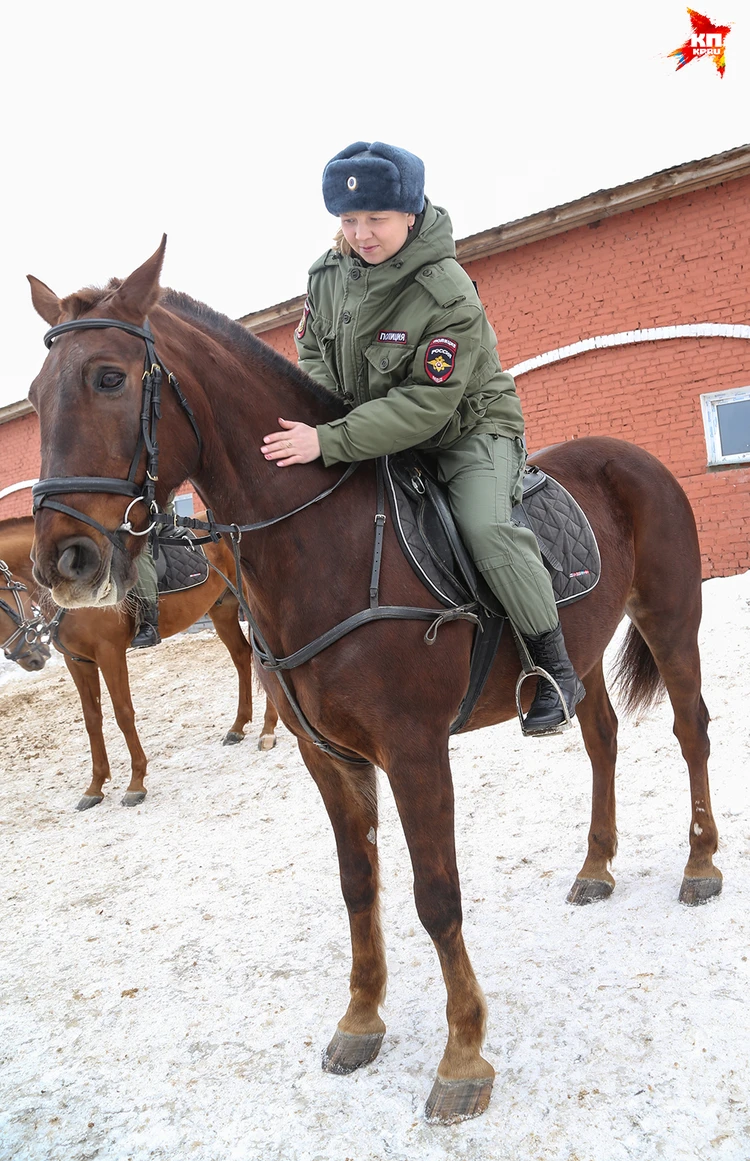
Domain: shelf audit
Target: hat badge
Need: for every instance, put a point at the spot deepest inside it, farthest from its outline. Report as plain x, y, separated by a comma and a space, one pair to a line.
351, 183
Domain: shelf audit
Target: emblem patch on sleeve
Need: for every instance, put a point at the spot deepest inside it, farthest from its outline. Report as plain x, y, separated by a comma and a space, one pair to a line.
440, 359
303, 321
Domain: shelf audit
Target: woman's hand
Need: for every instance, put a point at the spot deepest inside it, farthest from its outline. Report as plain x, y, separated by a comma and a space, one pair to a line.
297, 444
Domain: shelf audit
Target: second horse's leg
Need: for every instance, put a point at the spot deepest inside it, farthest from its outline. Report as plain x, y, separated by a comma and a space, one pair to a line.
350, 797
85, 674
114, 669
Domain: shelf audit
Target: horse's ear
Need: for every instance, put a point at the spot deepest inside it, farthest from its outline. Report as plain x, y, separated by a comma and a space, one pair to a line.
141, 289
46, 303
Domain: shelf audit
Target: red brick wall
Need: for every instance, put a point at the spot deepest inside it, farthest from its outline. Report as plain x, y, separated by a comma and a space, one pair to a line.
684, 260
19, 460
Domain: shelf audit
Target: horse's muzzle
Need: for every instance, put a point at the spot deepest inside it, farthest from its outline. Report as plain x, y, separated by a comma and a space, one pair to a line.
79, 573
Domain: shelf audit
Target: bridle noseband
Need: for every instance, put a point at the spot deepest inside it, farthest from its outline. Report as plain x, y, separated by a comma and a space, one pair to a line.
154, 372
32, 631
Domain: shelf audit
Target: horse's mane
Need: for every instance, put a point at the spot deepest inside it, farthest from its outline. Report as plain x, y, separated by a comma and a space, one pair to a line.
220, 327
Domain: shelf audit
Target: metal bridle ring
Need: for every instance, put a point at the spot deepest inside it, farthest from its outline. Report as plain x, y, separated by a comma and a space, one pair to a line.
126, 526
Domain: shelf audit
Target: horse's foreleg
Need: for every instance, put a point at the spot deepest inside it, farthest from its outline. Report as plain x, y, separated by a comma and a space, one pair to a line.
350, 797
85, 674
599, 729
423, 791
114, 669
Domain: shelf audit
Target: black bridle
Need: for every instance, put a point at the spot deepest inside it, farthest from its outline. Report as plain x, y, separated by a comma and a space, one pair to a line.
154, 373
32, 631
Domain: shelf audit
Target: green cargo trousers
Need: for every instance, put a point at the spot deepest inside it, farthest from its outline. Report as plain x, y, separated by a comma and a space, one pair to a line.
147, 585
483, 474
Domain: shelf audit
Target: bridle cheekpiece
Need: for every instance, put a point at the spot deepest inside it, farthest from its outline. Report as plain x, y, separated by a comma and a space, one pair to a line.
154, 373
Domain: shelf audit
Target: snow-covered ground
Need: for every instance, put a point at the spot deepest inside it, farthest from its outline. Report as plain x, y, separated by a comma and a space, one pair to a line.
171, 973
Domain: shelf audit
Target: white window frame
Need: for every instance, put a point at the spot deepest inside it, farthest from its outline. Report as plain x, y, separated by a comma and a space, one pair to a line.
184, 496
710, 404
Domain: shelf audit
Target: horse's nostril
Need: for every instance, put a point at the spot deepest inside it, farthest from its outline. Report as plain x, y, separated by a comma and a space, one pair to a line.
78, 559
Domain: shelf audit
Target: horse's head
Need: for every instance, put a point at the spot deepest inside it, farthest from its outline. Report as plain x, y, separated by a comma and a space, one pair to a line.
23, 632
95, 445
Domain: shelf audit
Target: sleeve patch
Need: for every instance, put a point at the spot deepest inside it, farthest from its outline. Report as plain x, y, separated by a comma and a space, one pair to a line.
440, 359
303, 321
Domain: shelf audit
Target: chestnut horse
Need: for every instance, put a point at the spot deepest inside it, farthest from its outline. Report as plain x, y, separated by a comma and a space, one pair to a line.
94, 640
379, 693
24, 634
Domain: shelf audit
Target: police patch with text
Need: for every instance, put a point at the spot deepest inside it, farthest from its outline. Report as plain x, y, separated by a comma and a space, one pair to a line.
392, 336
440, 359
303, 321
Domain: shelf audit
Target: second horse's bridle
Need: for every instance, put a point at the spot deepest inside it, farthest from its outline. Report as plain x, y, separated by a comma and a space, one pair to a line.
32, 631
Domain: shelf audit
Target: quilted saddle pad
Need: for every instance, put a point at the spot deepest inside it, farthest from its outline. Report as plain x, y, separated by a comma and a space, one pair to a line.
432, 544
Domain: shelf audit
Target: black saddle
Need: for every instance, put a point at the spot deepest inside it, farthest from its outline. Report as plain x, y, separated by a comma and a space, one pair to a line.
179, 565
432, 544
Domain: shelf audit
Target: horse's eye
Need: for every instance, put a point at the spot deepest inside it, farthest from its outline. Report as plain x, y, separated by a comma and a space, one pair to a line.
112, 379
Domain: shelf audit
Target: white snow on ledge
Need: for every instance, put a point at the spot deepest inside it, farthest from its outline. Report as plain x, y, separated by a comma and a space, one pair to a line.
624, 338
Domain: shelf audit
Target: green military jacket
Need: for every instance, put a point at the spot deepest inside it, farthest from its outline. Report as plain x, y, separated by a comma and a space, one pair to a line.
408, 345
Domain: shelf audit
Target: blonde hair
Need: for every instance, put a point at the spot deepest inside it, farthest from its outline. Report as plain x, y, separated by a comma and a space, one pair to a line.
340, 243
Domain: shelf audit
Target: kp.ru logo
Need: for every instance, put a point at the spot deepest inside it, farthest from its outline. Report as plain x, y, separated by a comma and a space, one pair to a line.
707, 40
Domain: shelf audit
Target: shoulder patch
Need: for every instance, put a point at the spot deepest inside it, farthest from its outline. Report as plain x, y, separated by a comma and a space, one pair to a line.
392, 336
303, 321
440, 359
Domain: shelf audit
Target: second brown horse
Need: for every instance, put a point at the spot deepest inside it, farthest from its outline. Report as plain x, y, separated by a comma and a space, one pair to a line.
95, 641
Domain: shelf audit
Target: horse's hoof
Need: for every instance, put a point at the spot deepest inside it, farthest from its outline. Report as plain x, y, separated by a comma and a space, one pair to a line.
133, 797
232, 739
457, 1100
693, 892
90, 800
266, 741
586, 891
349, 1051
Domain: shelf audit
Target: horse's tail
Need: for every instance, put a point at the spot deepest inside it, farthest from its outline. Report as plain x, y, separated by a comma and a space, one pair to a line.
638, 681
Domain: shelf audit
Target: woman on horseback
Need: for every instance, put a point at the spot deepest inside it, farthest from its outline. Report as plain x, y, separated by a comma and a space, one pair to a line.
394, 326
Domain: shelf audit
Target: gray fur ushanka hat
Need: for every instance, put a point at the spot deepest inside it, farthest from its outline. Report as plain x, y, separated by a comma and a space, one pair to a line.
372, 176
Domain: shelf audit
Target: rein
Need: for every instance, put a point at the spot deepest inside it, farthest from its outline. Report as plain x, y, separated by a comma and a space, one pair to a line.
153, 375
31, 631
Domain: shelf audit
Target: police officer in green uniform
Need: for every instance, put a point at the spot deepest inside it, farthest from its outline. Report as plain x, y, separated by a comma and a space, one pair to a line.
394, 326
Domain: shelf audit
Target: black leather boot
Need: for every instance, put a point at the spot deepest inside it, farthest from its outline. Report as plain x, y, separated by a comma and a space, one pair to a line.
148, 630
546, 715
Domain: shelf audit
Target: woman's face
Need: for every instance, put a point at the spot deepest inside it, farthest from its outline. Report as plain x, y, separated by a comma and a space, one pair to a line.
376, 237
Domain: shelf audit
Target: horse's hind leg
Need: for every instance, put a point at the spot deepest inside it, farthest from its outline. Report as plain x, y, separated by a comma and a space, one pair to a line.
599, 729
85, 674
672, 637
350, 797
227, 625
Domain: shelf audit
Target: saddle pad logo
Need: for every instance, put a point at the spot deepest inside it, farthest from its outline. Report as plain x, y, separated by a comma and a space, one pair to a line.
303, 321
440, 359
392, 336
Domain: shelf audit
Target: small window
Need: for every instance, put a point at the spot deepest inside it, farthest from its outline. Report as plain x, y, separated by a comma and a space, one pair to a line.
183, 505
726, 420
